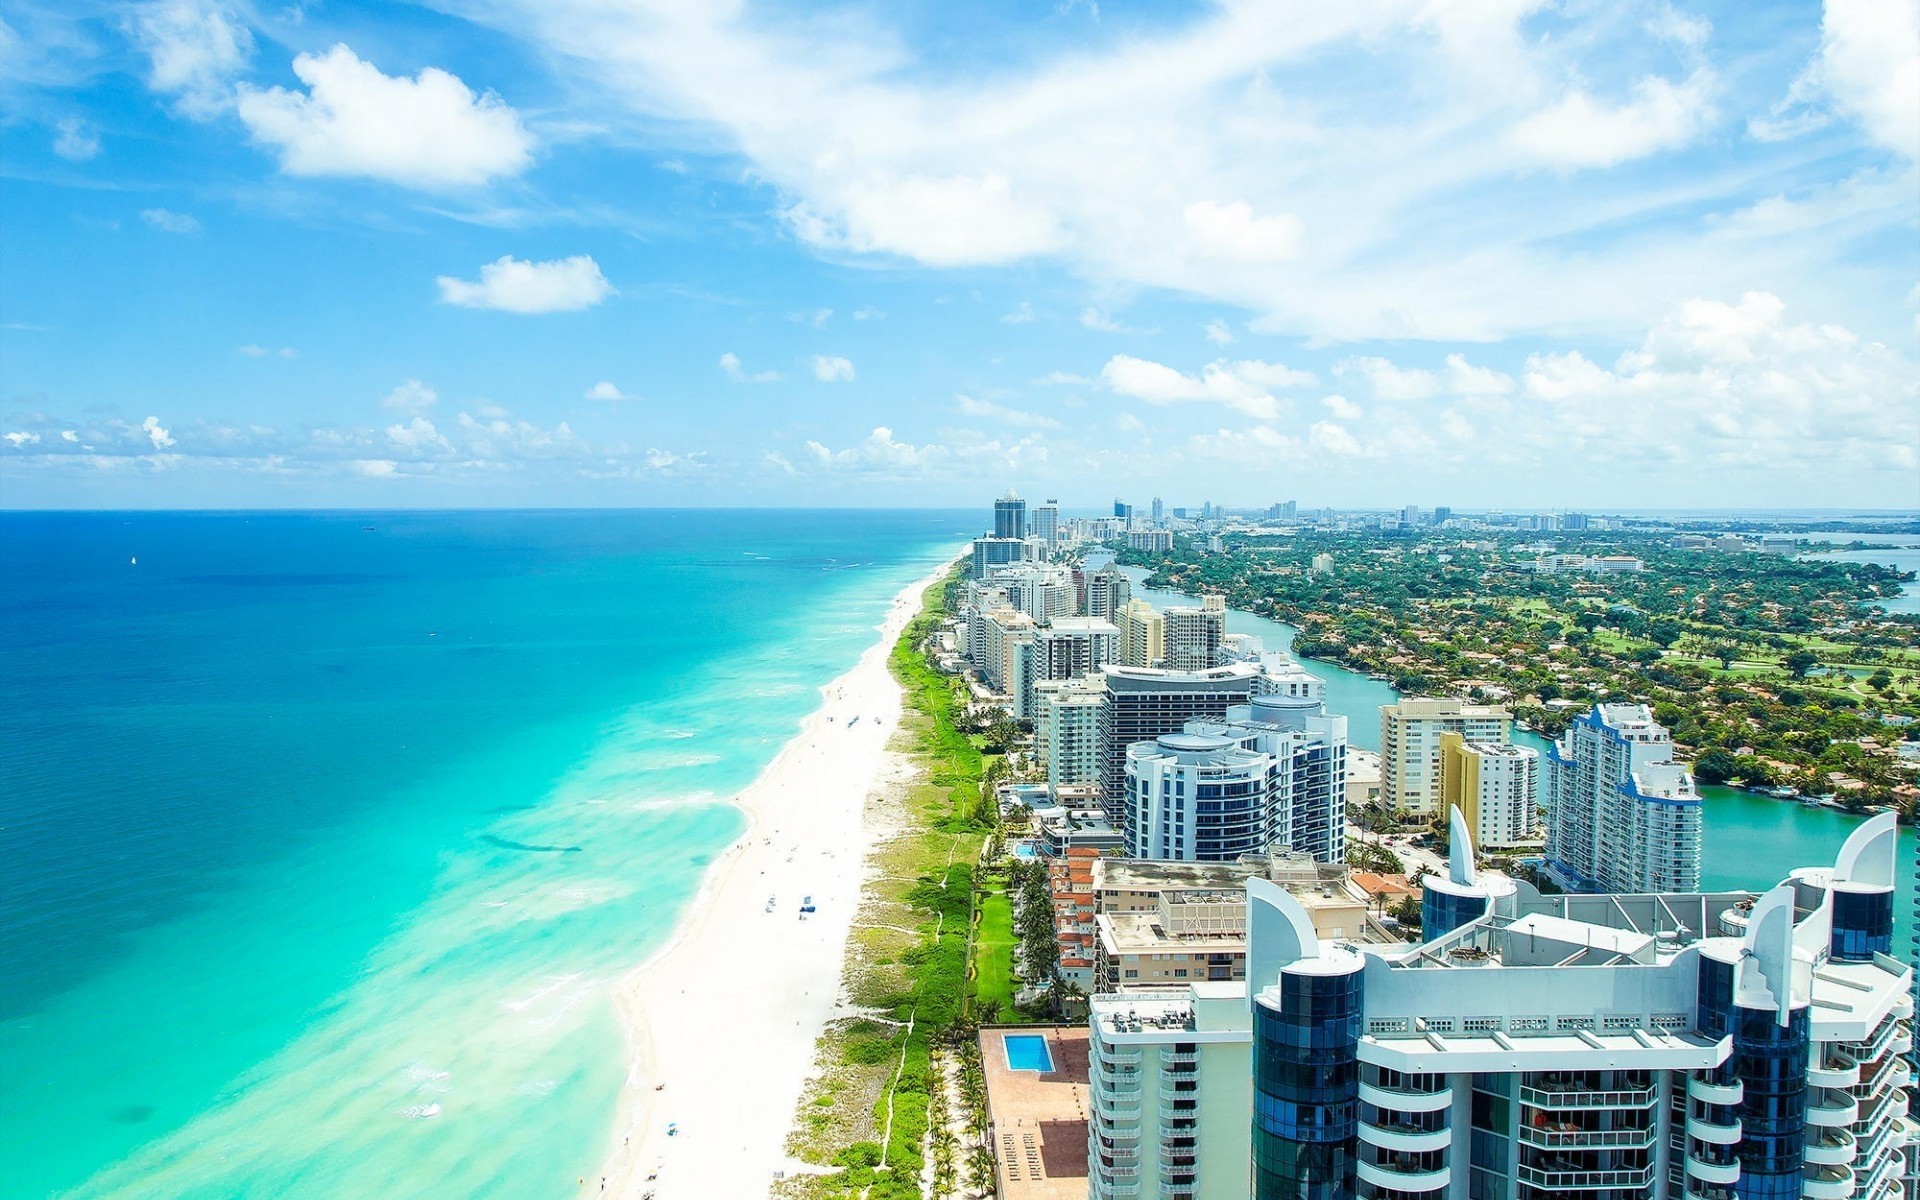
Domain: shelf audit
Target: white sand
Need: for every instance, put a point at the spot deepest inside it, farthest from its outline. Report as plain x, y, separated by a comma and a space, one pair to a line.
724, 1019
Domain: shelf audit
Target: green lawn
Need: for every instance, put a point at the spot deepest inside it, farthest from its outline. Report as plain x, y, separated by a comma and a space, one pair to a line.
993, 947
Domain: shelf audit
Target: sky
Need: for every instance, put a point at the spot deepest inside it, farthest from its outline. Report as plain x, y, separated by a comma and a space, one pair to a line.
1594, 253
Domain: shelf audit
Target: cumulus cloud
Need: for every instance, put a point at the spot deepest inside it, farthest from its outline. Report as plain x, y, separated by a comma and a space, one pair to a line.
947, 221
515, 285
730, 364
21, 437
1247, 385
608, 392
972, 407
157, 433
411, 397
75, 140
1580, 131
1342, 408
430, 131
195, 49
1219, 333
168, 221
1870, 65
831, 368
1232, 231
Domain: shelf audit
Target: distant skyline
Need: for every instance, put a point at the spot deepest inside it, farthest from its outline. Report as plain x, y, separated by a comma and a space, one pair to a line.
1522, 254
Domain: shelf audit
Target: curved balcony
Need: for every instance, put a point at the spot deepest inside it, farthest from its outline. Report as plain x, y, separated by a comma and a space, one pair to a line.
1175, 1057
1382, 1175
1116, 1108
1716, 1093
1831, 1147
1404, 1099
1903, 1004
1901, 1042
1703, 1191
1392, 1136
1831, 1108
1716, 1135
1827, 1183
1121, 1133
1712, 1173
1546, 1137
1170, 1113
1567, 1181
1834, 1070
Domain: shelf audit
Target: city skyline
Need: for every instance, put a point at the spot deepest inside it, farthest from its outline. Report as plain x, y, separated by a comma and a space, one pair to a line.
586, 254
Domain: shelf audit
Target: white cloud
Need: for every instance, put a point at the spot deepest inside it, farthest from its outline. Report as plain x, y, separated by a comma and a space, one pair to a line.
430, 131
668, 460
1870, 65
168, 221
1231, 231
1219, 333
1246, 386
1126, 422
21, 438
880, 451
1063, 379
195, 49
1334, 439
1580, 131
75, 140
1099, 322
253, 351
156, 433
518, 286
1022, 314
947, 221
816, 317
1342, 408
418, 435
1387, 381
868, 314
411, 397
1464, 379
831, 368
608, 392
989, 410
730, 364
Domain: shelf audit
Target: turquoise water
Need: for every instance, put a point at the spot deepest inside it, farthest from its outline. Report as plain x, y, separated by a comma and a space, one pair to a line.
1751, 842
1028, 1052
1897, 552
325, 843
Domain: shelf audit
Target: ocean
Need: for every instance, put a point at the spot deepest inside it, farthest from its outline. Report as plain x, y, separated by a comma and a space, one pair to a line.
323, 836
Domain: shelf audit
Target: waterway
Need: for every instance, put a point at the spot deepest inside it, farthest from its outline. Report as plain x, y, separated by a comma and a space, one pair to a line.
1901, 553
1751, 841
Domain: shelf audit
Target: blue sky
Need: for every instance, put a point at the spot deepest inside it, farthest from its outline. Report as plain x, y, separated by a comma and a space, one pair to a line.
1466, 252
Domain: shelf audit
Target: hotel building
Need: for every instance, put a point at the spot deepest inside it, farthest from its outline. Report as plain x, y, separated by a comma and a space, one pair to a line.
1495, 787
1679, 1046
1622, 816
1143, 703
1410, 745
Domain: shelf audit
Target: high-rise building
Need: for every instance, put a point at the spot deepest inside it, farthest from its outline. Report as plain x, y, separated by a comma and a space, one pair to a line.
1165, 781
1077, 646
1322, 564
1142, 703
1159, 510
1044, 591
1142, 634
1150, 541
1066, 728
1574, 521
1496, 788
1441, 514
1195, 633
1308, 749
1010, 517
1677, 1046
1622, 816
1107, 591
1410, 745
992, 552
1046, 523
1122, 509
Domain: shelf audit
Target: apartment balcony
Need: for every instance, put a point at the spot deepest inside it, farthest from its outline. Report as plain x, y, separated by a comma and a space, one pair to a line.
1827, 1183
1831, 1147
1712, 1134
1835, 1070
1703, 1171
1550, 1137
1179, 1057
1386, 1174
1120, 1133
1113, 1060
1118, 1189
1116, 1108
1180, 1110
1831, 1108
1395, 1135
1588, 1181
1702, 1191
1716, 1093
1124, 1078
1405, 1099
1572, 1098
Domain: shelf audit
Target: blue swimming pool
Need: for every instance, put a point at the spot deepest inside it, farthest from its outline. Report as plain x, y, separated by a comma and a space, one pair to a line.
1028, 1052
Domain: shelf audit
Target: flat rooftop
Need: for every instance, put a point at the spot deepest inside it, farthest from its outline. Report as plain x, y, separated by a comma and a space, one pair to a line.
1038, 1118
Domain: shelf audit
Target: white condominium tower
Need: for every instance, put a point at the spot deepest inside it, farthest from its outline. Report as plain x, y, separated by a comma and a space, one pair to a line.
1622, 816
1678, 1046
1496, 787
1066, 729
1046, 523
1410, 745
1143, 634
1107, 591
1142, 703
1194, 634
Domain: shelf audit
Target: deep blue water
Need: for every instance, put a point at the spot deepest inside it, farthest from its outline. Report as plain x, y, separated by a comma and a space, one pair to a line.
269, 781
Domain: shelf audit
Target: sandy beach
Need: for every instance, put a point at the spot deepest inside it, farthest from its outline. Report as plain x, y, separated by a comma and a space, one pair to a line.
722, 1021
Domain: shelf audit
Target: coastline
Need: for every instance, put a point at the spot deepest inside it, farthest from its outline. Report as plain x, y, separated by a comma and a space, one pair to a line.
722, 1022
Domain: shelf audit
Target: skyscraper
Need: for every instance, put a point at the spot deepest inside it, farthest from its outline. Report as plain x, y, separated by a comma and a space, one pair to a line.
1046, 523
1159, 510
1622, 816
1143, 634
1010, 517
1194, 634
1142, 703
1495, 788
1410, 745
1308, 752
1676, 1046
1108, 591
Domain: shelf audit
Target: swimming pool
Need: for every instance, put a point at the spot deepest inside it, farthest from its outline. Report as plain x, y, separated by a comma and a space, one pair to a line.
1028, 1052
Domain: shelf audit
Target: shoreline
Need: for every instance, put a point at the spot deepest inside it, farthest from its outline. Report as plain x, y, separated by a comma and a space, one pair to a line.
722, 1022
